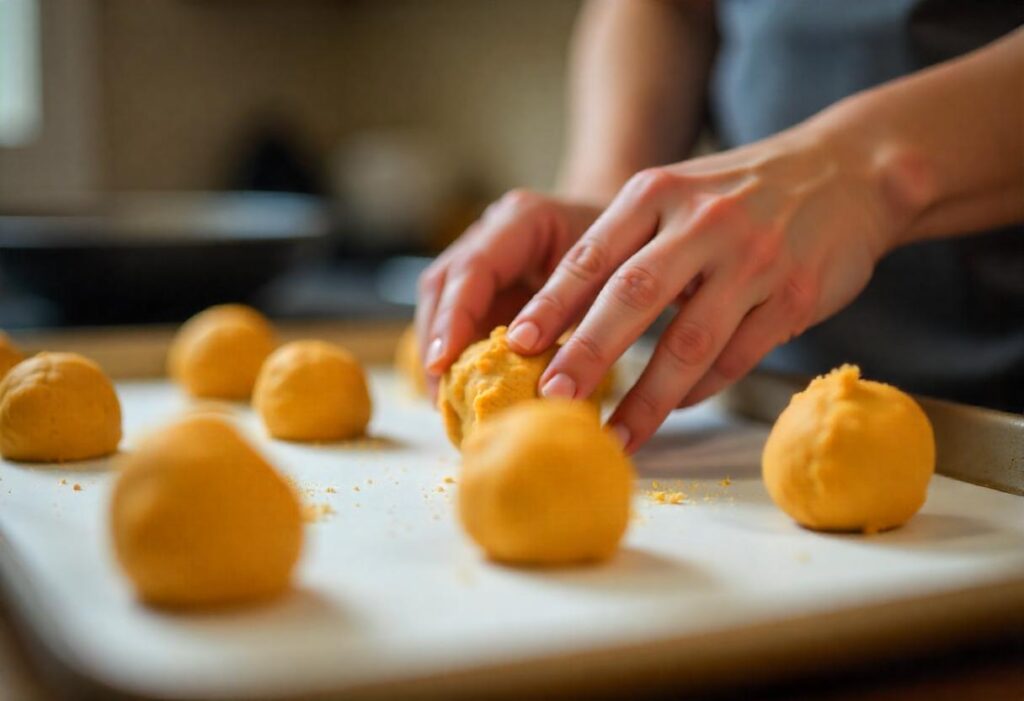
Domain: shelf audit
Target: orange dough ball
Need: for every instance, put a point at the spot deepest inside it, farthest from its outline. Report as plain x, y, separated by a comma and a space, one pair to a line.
849, 454
407, 362
9, 354
217, 354
199, 518
313, 391
56, 407
543, 484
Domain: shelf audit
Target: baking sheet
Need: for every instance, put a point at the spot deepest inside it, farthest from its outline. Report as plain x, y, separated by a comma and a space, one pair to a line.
389, 591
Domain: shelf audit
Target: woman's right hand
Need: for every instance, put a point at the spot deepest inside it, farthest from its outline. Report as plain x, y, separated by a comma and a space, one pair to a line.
483, 279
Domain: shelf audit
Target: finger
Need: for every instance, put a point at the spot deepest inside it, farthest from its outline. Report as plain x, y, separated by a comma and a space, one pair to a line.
629, 303
429, 287
628, 223
508, 243
780, 318
465, 300
685, 351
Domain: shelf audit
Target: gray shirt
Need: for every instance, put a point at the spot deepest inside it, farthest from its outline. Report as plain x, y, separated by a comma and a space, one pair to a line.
946, 317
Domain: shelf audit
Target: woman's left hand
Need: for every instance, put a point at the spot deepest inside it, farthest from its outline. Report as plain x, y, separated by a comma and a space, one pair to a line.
754, 245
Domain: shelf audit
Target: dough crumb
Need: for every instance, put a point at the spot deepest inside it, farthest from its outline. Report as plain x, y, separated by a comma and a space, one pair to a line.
448, 479
666, 497
331, 490
311, 513
77, 487
725, 482
63, 482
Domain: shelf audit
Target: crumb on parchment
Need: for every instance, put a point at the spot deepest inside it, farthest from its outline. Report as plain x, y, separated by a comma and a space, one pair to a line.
311, 513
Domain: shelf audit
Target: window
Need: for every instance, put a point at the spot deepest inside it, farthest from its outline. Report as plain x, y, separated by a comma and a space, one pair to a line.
20, 86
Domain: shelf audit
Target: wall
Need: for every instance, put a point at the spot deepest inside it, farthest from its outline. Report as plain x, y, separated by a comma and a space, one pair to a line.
183, 79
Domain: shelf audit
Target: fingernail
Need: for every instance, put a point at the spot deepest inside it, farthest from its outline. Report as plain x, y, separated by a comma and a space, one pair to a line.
524, 335
561, 386
434, 352
622, 433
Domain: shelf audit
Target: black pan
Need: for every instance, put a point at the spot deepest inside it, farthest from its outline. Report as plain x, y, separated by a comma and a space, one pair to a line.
158, 257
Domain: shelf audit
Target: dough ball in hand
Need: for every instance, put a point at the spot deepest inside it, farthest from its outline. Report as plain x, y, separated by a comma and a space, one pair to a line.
57, 407
199, 518
312, 391
849, 454
9, 354
408, 364
218, 353
544, 484
488, 377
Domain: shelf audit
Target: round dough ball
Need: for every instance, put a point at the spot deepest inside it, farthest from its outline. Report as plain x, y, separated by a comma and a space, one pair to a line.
9, 354
312, 391
57, 407
544, 484
199, 518
217, 354
850, 455
408, 364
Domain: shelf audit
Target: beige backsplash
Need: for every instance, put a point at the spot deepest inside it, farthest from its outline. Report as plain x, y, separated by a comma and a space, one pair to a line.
182, 78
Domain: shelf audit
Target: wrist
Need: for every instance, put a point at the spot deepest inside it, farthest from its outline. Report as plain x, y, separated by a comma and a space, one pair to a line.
897, 176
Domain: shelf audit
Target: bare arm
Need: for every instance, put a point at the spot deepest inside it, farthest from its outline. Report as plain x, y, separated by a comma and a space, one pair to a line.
639, 71
944, 145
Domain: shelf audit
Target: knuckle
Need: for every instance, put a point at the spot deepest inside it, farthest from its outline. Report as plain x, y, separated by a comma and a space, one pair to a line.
689, 343
650, 183
472, 259
430, 279
762, 253
734, 364
716, 208
799, 297
645, 404
586, 346
585, 260
635, 287
551, 302
521, 198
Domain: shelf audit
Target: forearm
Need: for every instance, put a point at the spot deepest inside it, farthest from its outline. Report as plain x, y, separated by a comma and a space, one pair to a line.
638, 75
945, 146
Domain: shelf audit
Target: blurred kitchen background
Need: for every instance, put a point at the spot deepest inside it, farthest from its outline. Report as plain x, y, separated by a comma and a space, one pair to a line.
157, 156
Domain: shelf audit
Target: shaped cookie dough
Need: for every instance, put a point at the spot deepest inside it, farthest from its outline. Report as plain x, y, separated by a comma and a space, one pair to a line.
200, 519
850, 454
312, 391
544, 484
57, 407
218, 353
9, 354
408, 364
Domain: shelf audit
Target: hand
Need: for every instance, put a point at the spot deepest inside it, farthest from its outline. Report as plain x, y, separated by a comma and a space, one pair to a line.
753, 245
486, 276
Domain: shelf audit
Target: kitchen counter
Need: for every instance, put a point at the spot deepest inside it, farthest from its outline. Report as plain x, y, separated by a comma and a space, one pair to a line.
983, 665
